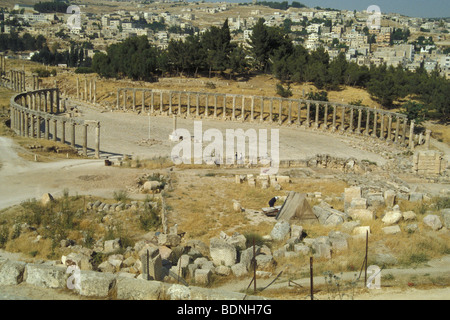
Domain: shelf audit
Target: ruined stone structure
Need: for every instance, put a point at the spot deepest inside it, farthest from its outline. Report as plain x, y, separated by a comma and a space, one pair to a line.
429, 163
38, 114
335, 117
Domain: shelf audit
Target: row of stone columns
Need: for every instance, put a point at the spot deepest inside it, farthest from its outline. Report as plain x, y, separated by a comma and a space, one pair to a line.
315, 114
89, 94
46, 100
17, 80
37, 123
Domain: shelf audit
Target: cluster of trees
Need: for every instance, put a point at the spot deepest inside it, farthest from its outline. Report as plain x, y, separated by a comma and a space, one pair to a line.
271, 51
137, 59
75, 57
14, 42
283, 5
51, 6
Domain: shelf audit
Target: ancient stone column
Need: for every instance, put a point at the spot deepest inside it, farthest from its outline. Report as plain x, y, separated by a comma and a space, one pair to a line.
55, 129
316, 119
333, 128
179, 103
90, 90
271, 110
85, 126
47, 128
308, 109
170, 103
389, 131
38, 127
206, 105
78, 88
359, 120
57, 101
72, 136
134, 99
224, 107
405, 122
188, 110
197, 109
50, 94
243, 108
26, 131
261, 111
21, 123
325, 117
32, 120
427, 138
411, 135
63, 131
290, 112
397, 129
152, 102
97, 140
382, 126
343, 119
233, 116
143, 100
299, 113
366, 132
124, 99
252, 107
95, 91
280, 112
85, 89
375, 121
118, 99
215, 106
350, 123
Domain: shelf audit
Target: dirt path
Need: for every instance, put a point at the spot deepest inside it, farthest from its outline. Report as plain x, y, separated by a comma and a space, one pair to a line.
434, 268
22, 180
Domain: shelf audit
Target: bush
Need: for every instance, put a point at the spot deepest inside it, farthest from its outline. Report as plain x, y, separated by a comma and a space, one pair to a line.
121, 195
149, 219
284, 92
4, 235
84, 70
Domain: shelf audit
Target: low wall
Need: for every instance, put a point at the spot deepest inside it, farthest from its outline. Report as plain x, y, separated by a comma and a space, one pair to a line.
105, 284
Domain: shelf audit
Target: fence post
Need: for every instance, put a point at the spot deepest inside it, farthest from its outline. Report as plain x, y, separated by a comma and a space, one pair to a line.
311, 275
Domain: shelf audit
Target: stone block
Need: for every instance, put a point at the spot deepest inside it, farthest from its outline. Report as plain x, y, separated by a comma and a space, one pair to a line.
432, 221
96, 284
391, 230
280, 231
361, 214
222, 253
11, 272
239, 270
389, 198
138, 289
46, 276
202, 276
350, 194
392, 217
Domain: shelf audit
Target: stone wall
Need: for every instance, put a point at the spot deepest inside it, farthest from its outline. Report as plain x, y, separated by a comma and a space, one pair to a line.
105, 284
